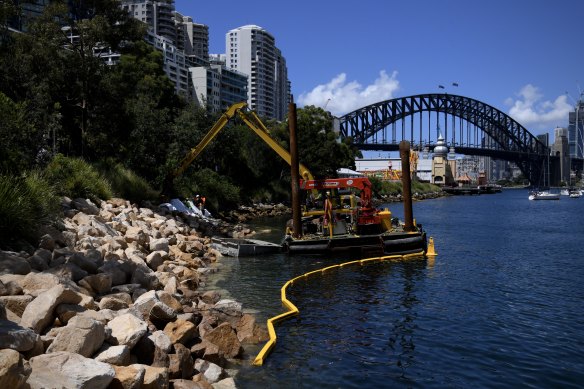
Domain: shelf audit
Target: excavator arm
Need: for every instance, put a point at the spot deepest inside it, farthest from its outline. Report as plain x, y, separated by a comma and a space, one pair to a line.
254, 123
217, 127
260, 129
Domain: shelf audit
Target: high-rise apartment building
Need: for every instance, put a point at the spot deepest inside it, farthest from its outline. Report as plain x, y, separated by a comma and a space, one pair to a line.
576, 130
159, 15
191, 37
560, 149
252, 50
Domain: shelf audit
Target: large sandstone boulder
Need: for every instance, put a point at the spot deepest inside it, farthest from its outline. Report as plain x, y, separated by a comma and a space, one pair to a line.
225, 338
82, 335
36, 283
126, 329
155, 378
68, 370
180, 331
39, 313
128, 377
114, 355
248, 332
181, 363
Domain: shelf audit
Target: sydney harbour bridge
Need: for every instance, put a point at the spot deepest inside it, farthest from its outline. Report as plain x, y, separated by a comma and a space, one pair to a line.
468, 126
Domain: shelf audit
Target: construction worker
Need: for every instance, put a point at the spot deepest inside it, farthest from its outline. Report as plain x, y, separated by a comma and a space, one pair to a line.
199, 202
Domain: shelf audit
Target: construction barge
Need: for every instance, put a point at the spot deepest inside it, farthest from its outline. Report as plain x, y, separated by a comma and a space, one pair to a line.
337, 219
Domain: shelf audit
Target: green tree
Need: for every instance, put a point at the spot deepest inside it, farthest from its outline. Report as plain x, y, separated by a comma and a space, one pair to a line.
318, 146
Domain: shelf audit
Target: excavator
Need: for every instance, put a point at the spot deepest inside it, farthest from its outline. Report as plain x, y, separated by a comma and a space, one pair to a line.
253, 122
354, 223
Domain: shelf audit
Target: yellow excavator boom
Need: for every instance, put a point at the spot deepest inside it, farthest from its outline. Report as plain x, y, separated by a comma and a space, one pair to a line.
254, 123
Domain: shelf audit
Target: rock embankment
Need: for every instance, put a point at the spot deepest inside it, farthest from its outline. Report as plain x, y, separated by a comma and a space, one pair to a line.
113, 300
246, 213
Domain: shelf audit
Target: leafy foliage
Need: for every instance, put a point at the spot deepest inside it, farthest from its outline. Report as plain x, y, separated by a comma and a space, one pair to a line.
58, 97
218, 190
73, 177
125, 183
26, 203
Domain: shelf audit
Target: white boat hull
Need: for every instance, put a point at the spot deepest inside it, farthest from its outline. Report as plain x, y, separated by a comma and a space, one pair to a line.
544, 196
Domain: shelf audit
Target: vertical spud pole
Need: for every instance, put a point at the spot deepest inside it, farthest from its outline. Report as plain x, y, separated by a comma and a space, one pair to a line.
294, 172
404, 153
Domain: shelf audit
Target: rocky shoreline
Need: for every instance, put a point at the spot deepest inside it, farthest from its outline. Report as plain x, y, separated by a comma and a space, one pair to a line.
113, 299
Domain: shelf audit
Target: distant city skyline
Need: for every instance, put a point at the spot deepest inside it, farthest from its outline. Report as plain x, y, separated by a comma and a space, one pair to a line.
520, 57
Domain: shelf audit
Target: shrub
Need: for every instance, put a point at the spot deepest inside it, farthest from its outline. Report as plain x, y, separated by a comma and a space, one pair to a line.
26, 204
73, 177
219, 191
125, 183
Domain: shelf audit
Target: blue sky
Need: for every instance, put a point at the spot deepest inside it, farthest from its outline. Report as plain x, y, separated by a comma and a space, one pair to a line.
520, 56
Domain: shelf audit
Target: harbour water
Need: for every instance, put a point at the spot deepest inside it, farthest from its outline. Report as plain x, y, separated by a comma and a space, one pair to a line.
501, 306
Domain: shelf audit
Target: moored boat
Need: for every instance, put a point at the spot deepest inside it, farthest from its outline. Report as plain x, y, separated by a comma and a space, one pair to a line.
543, 195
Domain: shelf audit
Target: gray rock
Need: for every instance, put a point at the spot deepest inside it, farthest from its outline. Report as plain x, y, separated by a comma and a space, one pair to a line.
84, 263
161, 340
47, 242
156, 258
15, 337
68, 370
115, 270
159, 245
37, 262
146, 278
13, 264
212, 372
85, 205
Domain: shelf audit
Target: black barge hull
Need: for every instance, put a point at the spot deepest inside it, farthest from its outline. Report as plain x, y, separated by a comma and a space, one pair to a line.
382, 244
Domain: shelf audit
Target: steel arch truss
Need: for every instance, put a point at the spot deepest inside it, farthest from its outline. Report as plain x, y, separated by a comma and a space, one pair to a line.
507, 139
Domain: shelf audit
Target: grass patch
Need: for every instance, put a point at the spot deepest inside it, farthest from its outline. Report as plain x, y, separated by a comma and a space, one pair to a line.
73, 177
125, 183
26, 204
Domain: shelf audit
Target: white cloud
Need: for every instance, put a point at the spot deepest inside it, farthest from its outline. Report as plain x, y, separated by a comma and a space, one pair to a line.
529, 109
348, 96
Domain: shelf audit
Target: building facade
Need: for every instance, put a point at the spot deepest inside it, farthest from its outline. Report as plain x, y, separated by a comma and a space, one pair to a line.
576, 131
252, 50
561, 149
159, 15
191, 37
